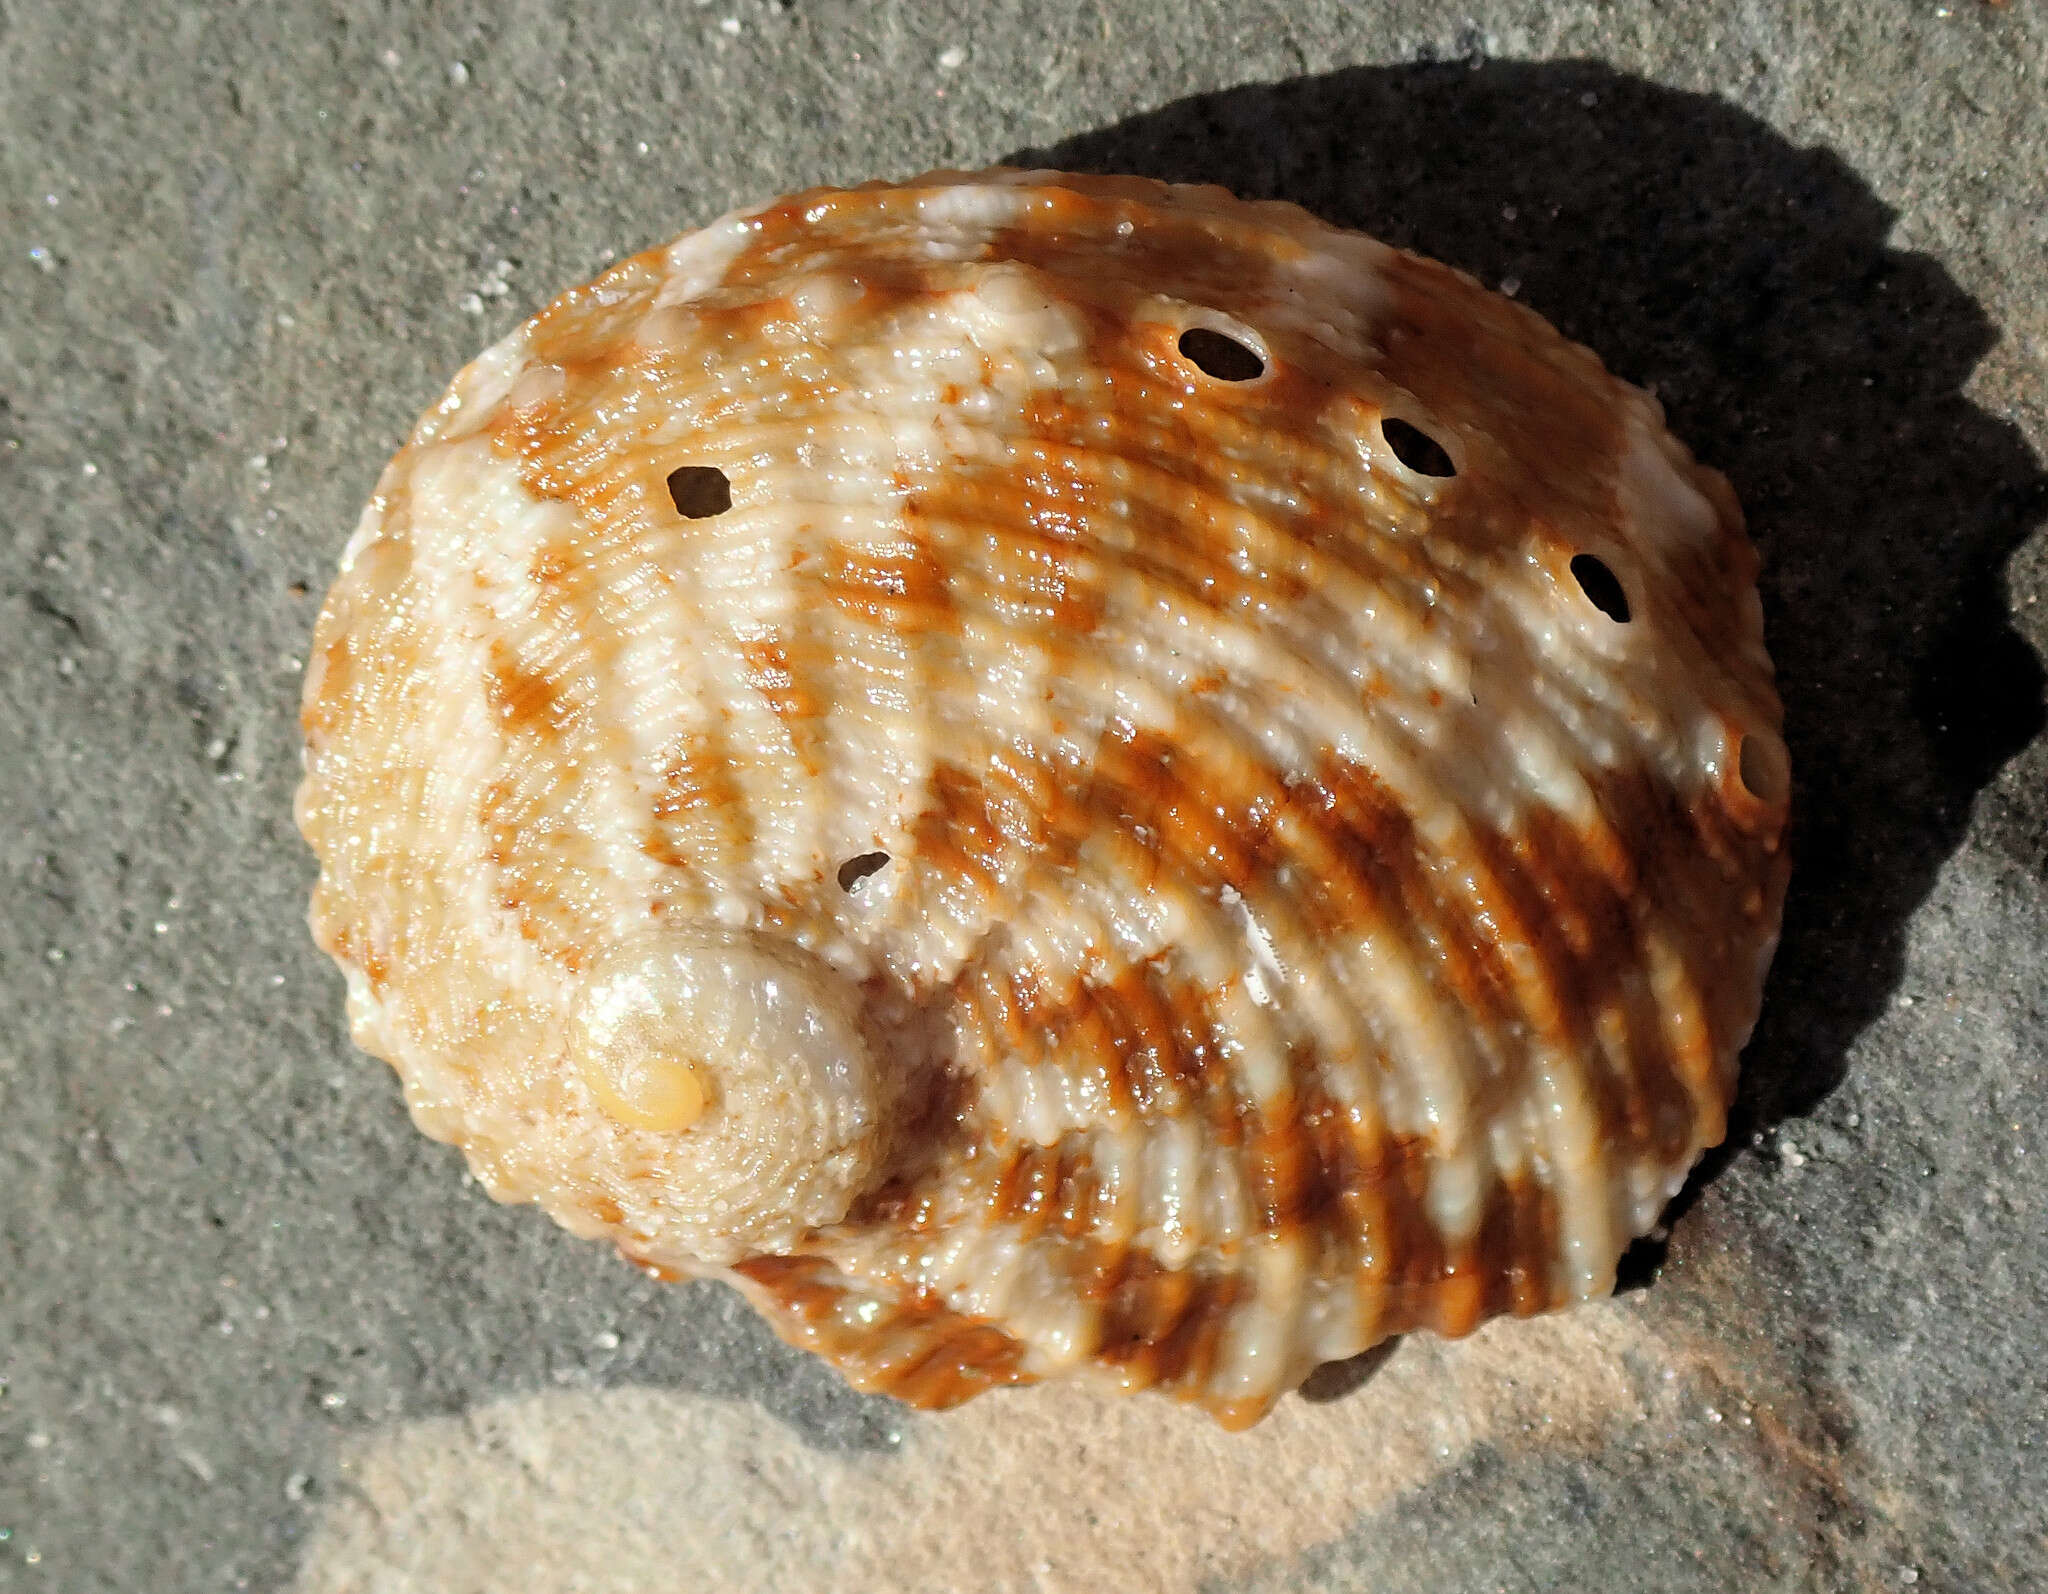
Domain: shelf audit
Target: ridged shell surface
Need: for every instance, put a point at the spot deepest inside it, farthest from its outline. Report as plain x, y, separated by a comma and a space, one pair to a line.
1056, 775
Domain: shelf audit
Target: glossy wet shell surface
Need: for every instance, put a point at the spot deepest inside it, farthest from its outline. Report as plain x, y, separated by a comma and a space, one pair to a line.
1289, 899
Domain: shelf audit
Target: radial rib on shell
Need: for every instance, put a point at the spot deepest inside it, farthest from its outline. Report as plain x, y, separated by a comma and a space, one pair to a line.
855, 756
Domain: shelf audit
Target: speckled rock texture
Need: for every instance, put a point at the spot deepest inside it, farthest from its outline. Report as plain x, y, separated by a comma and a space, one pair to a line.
257, 1333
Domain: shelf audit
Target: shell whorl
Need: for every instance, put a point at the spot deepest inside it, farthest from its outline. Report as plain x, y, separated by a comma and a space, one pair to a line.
751, 1054
1290, 901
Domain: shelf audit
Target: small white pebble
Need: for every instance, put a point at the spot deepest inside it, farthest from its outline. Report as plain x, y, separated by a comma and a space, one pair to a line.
89, 468
66, 664
391, 59
1713, 1415
296, 1485
1853, 1120
42, 257
953, 58
333, 1400
55, 954
50, 200
730, 26
277, 979
1508, 213
259, 462
39, 1441
202, 1469
1589, 99
606, 1340
458, 74
471, 304
217, 748
168, 1415
1510, 286
1911, 1574
641, 146
161, 927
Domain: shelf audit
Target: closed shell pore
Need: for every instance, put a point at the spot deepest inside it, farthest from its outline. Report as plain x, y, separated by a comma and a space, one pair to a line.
844, 757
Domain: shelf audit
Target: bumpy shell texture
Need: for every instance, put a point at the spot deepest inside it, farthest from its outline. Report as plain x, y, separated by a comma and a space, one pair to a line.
1056, 775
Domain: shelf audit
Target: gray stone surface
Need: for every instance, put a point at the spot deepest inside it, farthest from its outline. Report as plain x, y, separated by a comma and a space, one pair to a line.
256, 1333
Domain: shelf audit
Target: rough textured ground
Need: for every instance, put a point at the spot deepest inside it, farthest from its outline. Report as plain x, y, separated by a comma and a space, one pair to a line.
256, 1333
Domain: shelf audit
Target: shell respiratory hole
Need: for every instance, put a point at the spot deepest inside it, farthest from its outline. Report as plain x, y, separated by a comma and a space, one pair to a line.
855, 870
1602, 587
1220, 777
1220, 355
1762, 765
1416, 449
699, 491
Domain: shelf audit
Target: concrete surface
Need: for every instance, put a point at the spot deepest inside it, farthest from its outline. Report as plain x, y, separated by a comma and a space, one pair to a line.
256, 1333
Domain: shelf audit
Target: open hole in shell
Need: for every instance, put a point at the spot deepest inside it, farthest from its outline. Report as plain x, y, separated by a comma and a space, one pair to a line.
1602, 587
699, 491
855, 870
1762, 768
1416, 449
1220, 355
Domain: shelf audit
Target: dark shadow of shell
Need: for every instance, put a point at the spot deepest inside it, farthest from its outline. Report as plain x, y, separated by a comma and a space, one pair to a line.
1335, 1380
